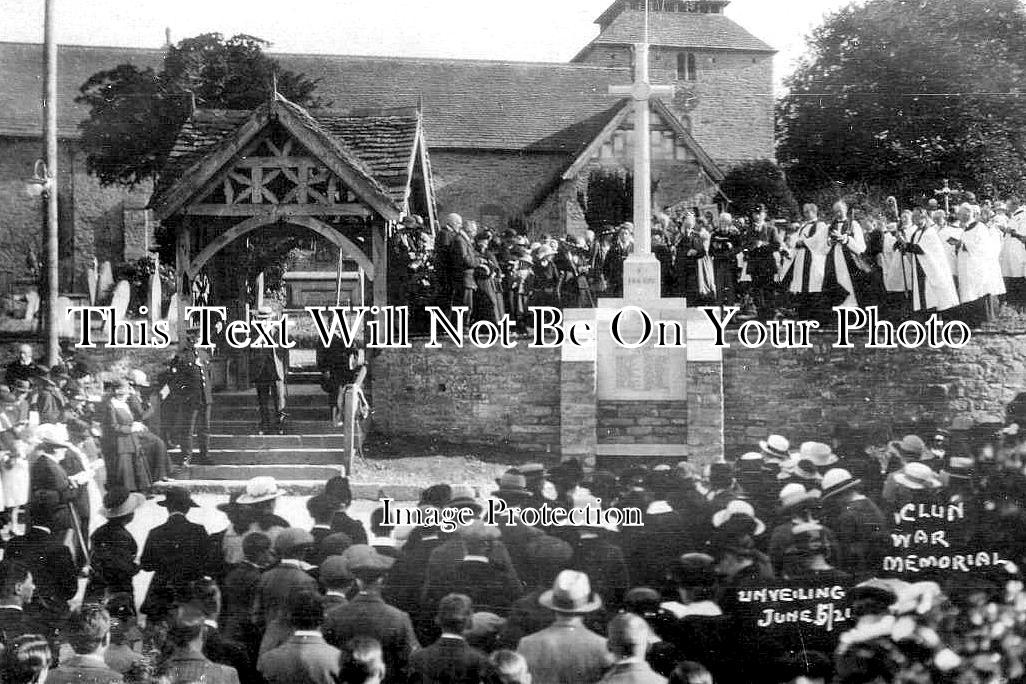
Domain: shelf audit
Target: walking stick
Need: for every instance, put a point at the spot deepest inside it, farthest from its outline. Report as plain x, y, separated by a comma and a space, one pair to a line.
79, 535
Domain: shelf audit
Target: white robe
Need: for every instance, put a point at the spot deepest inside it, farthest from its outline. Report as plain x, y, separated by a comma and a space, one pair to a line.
893, 263
811, 258
979, 263
1013, 250
950, 232
938, 292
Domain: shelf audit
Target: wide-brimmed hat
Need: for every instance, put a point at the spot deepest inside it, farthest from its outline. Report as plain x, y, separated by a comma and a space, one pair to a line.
819, 453
231, 504
959, 467
437, 495
362, 558
119, 502
462, 496
912, 446
776, 447
513, 484
734, 509
750, 462
177, 497
795, 494
138, 378
838, 480
337, 490
259, 488
918, 476
571, 593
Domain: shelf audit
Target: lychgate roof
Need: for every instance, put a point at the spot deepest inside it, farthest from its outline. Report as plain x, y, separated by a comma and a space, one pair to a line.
374, 152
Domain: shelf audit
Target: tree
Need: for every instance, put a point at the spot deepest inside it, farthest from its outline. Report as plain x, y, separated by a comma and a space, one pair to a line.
135, 113
758, 182
904, 93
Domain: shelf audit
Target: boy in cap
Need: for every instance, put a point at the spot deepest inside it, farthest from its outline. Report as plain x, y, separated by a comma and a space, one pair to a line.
451, 658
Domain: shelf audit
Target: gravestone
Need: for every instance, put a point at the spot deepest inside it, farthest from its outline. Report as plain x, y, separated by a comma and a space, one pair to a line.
105, 282
65, 322
120, 298
92, 280
31, 304
155, 298
172, 318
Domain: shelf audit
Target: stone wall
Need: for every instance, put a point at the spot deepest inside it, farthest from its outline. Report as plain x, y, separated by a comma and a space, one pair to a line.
485, 396
733, 119
642, 422
804, 393
95, 221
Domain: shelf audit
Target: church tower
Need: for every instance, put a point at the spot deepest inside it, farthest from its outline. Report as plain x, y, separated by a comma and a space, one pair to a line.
723, 74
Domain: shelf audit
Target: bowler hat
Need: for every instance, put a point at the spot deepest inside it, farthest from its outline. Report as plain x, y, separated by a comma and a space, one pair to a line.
571, 593
177, 497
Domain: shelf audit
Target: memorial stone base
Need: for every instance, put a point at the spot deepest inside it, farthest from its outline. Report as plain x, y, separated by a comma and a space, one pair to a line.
653, 403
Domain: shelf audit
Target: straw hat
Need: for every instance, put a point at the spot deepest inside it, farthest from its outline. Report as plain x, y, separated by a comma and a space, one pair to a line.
734, 509
571, 593
260, 488
817, 452
917, 476
838, 480
138, 378
959, 467
776, 447
795, 494
913, 447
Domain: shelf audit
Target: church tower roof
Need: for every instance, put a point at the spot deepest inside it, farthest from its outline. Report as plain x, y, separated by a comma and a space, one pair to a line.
686, 24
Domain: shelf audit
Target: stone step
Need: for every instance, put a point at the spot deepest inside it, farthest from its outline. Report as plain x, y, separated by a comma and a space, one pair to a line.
294, 398
234, 426
242, 473
303, 441
231, 411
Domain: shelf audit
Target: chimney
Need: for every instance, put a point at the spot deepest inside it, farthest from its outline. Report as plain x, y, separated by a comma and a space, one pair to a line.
167, 37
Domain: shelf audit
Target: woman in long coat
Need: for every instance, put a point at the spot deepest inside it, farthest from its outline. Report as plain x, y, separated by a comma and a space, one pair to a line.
123, 454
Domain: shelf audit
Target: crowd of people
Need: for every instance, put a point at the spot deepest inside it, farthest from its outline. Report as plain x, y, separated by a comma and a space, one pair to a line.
715, 586
960, 263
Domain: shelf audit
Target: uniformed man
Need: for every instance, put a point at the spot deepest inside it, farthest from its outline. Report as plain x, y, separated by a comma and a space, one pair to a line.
267, 373
189, 381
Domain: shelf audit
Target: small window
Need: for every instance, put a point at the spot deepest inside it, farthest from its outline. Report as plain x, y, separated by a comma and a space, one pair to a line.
687, 66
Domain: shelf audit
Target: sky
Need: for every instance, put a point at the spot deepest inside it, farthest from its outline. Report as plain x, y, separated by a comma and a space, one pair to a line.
523, 30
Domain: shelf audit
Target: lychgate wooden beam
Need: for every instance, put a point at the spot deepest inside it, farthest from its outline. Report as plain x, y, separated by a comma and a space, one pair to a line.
279, 210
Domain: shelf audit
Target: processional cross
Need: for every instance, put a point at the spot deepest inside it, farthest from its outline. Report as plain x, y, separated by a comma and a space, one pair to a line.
641, 92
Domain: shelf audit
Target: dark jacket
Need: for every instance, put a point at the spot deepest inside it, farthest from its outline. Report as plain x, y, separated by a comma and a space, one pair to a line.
176, 552
238, 591
341, 522
80, 669
368, 615
304, 659
49, 482
193, 667
113, 559
274, 590
448, 660
52, 567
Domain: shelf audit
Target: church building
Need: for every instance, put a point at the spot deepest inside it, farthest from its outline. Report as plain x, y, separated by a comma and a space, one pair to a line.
510, 144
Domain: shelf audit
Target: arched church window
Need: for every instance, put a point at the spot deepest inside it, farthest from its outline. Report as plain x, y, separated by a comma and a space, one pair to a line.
687, 66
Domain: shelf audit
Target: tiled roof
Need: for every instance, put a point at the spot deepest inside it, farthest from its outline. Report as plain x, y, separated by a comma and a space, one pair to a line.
469, 104
378, 146
681, 29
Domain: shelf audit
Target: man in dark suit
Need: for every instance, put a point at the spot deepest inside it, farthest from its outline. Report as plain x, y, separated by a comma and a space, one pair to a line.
451, 658
368, 615
52, 567
305, 658
176, 552
267, 370
16, 590
280, 583
463, 261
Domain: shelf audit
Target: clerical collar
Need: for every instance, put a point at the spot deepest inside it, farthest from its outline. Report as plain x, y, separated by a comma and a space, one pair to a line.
451, 635
212, 624
11, 606
322, 527
332, 592
306, 633
43, 528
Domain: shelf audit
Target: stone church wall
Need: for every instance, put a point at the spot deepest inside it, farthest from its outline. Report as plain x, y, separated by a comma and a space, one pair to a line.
104, 222
734, 115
